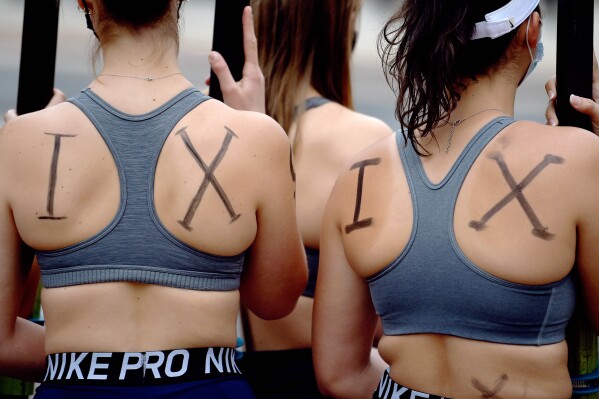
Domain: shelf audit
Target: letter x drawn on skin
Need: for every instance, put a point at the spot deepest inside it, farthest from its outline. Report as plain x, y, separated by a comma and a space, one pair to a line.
54, 177
209, 178
357, 223
538, 230
490, 393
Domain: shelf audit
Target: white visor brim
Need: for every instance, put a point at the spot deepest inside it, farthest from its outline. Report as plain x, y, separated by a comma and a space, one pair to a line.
505, 19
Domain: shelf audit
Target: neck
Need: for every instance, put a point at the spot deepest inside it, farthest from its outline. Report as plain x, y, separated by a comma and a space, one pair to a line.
498, 92
311, 92
486, 98
141, 55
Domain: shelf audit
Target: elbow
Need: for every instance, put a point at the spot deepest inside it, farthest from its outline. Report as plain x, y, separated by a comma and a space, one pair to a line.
273, 314
285, 300
334, 385
333, 381
278, 297
276, 305
276, 308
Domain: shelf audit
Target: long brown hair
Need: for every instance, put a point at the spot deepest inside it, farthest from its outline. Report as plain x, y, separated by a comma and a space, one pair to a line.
304, 41
429, 59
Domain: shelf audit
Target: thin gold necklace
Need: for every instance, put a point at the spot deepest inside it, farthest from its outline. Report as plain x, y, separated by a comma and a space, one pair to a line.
460, 121
147, 78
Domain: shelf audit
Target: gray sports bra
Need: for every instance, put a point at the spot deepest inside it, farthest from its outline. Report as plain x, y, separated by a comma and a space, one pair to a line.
432, 287
312, 255
135, 246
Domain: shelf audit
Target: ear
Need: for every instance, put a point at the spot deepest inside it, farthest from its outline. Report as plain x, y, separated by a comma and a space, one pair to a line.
534, 31
89, 3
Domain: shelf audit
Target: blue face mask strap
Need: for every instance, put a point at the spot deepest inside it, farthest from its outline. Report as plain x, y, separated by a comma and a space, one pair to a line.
536, 58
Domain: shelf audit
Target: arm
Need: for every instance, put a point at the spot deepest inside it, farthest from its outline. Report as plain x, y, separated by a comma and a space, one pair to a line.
22, 353
22, 349
30, 291
344, 321
276, 273
587, 256
587, 106
249, 93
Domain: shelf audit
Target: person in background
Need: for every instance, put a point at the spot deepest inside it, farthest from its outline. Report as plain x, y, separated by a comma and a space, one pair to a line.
462, 231
305, 52
154, 212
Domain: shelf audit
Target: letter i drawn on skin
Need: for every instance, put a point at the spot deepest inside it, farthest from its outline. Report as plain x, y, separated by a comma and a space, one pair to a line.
53, 177
357, 223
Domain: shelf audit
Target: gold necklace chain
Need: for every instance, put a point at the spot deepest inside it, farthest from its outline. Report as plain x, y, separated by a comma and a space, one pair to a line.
460, 121
147, 78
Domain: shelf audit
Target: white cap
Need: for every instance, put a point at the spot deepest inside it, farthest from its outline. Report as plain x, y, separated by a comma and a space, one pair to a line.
504, 20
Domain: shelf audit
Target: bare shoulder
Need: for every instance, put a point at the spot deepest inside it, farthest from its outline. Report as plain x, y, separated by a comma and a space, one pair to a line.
557, 133
333, 133
368, 124
16, 135
381, 158
257, 130
362, 127
529, 144
384, 148
580, 146
369, 205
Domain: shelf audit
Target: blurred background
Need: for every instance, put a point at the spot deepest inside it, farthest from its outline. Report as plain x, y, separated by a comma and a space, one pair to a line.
372, 94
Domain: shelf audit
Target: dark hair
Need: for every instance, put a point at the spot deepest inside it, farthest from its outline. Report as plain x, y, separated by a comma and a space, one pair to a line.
299, 41
429, 59
136, 14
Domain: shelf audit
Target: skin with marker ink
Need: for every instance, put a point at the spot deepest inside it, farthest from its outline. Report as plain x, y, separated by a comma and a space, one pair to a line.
54, 177
292, 168
538, 230
291, 164
357, 223
487, 393
209, 178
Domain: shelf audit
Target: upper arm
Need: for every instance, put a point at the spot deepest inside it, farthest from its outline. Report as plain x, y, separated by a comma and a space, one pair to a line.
15, 257
16, 260
344, 319
276, 271
21, 345
587, 257
587, 262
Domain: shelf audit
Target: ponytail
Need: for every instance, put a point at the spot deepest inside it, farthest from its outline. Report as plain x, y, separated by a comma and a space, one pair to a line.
429, 59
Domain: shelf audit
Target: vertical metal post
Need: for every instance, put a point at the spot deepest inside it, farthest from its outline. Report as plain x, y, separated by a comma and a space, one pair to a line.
38, 55
574, 76
227, 39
